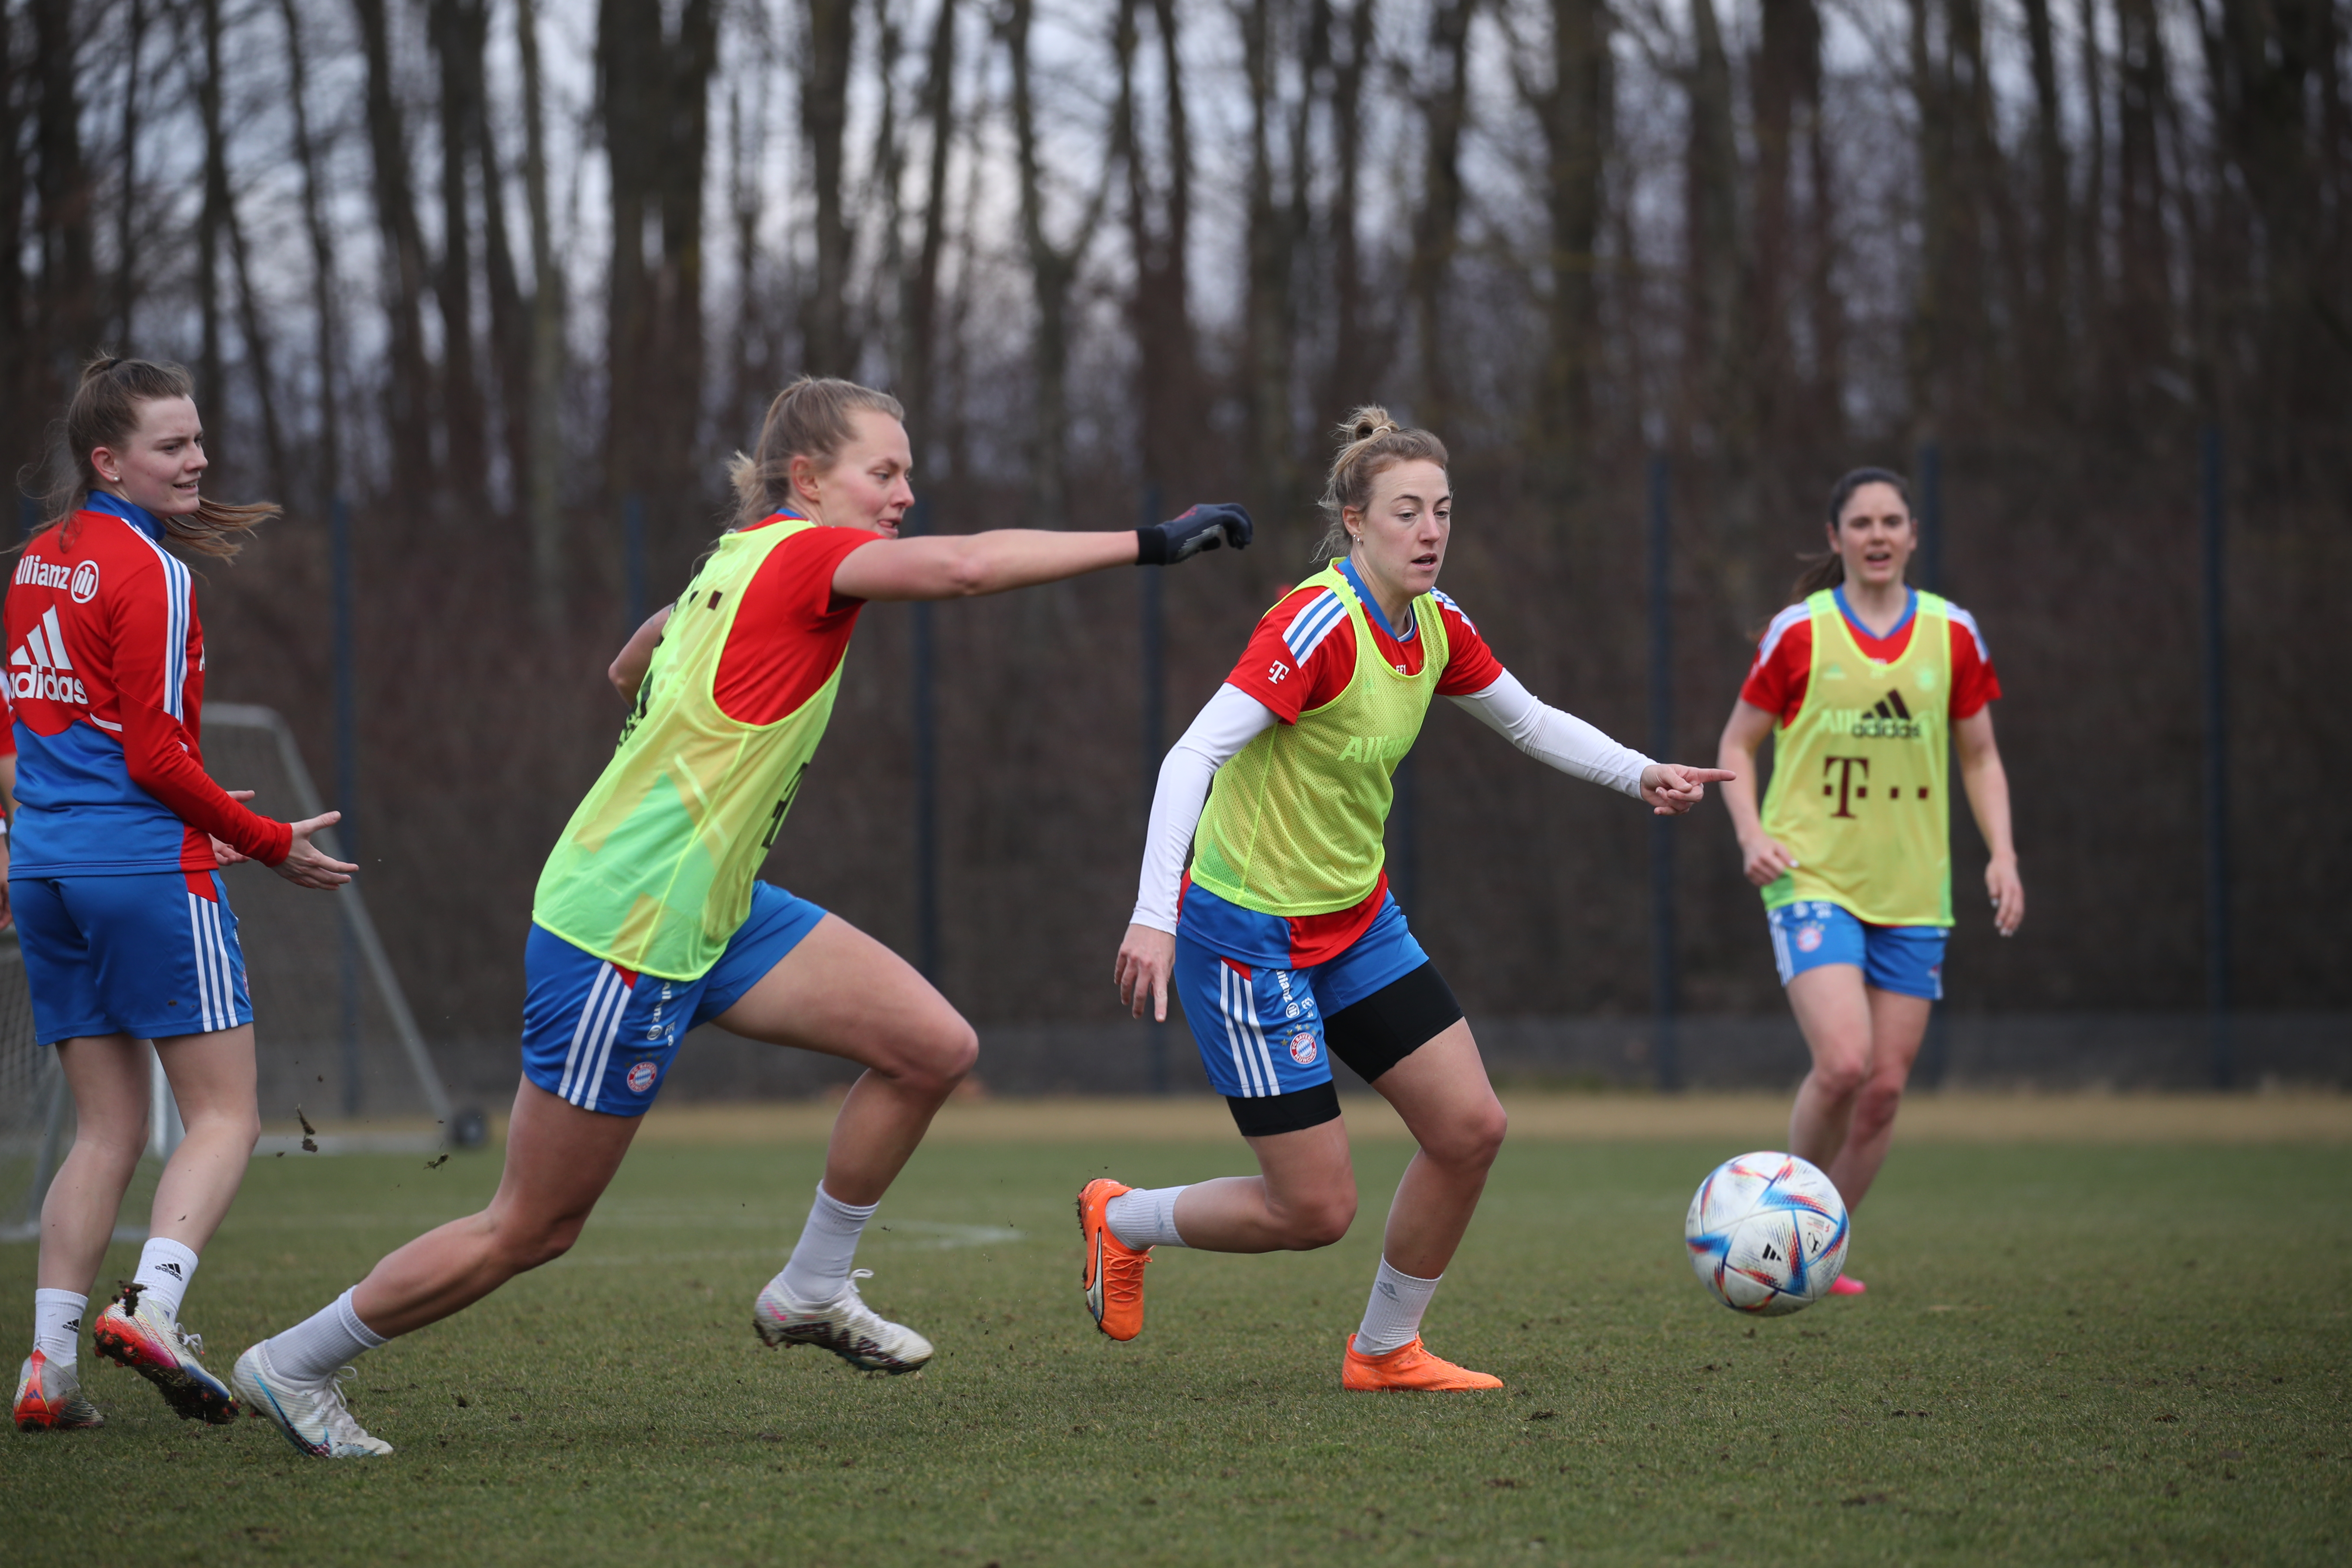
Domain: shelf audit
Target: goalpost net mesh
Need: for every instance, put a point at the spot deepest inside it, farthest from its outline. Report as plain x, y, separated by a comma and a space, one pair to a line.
334, 1035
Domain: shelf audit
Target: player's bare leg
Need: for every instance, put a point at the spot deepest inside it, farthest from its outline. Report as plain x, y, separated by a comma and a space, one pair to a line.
842, 992
1441, 1092
1833, 1009
1303, 1197
212, 1078
1897, 1025
559, 1160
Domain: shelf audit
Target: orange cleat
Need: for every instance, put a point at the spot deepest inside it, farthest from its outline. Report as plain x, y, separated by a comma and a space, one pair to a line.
1409, 1367
48, 1398
1847, 1285
1113, 1272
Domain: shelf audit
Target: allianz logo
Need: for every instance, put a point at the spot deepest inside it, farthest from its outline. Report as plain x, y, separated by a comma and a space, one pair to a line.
81, 579
39, 668
1375, 748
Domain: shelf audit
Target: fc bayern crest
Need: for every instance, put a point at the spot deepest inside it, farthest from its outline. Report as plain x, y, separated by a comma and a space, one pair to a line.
1302, 1048
641, 1077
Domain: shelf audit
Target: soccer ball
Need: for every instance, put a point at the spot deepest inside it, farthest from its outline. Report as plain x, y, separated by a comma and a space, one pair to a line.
1767, 1234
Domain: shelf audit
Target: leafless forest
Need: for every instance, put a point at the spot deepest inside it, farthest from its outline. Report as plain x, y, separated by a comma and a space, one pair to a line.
501, 272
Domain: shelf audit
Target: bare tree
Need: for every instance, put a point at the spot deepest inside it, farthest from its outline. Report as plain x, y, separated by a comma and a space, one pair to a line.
542, 501
408, 391
457, 31
1437, 220
1053, 272
1575, 112
825, 326
918, 312
326, 315
1159, 215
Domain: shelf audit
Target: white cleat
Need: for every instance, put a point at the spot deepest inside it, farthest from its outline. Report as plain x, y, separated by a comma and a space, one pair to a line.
845, 1325
312, 1415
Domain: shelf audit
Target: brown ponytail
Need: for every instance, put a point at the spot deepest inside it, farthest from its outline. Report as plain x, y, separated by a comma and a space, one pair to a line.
104, 412
809, 419
1827, 569
1369, 442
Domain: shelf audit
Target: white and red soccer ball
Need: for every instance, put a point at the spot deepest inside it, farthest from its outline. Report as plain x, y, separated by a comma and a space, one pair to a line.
1767, 1234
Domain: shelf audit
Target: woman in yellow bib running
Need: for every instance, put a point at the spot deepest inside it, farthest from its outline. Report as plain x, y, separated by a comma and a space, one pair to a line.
1864, 683
650, 920
1290, 951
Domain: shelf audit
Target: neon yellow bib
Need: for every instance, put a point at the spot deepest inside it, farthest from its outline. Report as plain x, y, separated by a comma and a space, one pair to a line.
1859, 791
654, 869
1294, 824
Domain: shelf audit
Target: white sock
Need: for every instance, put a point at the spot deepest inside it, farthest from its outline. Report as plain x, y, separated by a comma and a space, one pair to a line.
1392, 1316
56, 1324
1145, 1217
164, 1269
323, 1344
819, 1266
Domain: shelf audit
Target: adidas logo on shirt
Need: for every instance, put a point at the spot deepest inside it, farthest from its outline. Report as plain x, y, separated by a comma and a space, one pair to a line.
1891, 720
39, 668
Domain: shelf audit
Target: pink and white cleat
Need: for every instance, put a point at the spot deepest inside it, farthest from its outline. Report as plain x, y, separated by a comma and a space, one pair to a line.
150, 1342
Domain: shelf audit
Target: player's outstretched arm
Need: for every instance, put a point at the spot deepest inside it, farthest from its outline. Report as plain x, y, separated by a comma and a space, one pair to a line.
1762, 858
1987, 784
1562, 741
961, 566
636, 655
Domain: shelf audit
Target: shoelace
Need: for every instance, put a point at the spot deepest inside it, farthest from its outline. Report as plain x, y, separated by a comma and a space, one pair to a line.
333, 1413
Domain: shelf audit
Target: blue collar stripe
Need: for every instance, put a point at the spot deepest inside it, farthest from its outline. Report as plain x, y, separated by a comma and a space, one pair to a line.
1372, 605
1910, 608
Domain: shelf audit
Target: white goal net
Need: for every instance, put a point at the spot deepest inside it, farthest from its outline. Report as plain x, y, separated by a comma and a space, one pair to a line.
332, 1033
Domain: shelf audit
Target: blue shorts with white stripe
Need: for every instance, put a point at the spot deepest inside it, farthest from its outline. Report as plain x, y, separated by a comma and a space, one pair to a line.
151, 954
603, 1038
1260, 1026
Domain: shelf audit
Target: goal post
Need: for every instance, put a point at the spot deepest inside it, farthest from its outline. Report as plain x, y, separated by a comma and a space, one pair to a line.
334, 1036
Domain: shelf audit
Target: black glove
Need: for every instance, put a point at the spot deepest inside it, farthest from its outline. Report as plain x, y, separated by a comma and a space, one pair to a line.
1202, 528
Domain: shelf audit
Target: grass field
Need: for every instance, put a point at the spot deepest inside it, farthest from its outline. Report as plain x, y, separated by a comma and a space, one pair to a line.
2074, 1349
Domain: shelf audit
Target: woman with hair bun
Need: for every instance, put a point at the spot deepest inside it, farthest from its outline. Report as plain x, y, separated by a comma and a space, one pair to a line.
1281, 936
1864, 683
115, 882
649, 918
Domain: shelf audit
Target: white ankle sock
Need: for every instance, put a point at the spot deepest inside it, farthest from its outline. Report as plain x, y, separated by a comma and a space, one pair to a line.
1392, 1316
1145, 1217
819, 1266
321, 1344
56, 1324
164, 1269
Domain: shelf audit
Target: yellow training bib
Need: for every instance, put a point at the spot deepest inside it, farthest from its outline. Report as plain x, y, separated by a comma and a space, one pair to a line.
1860, 777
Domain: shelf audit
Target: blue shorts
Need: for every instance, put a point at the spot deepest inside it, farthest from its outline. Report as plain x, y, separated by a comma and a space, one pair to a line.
153, 955
1261, 1028
603, 1036
1906, 960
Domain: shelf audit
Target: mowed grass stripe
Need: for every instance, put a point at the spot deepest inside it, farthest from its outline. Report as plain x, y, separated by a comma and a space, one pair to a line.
2068, 1353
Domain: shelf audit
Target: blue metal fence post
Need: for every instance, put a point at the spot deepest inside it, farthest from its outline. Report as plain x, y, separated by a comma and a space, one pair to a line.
926, 773
1151, 633
2217, 773
28, 516
633, 557
347, 778
1661, 744
1935, 1050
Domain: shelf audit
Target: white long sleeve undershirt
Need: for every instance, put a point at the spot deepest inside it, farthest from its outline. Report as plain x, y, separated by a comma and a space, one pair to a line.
1233, 719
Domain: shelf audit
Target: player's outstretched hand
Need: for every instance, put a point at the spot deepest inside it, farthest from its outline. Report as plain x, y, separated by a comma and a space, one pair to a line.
308, 866
1204, 527
1672, 789
2007, 892
1146, 958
